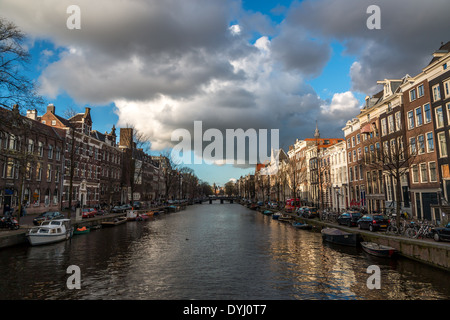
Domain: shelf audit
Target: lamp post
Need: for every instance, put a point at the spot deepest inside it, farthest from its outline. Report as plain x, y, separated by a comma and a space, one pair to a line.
336, 188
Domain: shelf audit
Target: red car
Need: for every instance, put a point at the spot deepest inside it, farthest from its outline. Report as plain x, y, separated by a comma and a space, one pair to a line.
88, 213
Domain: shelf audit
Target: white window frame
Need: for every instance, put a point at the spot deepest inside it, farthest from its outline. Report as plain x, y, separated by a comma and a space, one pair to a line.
436, 92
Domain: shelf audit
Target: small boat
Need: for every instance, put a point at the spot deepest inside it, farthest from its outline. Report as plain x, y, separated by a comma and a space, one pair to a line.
50, 231
378, 249
115, 222
285, 217
276, 215
267, 212
300, 225
337, 236
82, 230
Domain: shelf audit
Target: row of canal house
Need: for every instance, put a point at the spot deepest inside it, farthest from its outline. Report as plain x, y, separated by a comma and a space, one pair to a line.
48, 161
394, 153
397, 147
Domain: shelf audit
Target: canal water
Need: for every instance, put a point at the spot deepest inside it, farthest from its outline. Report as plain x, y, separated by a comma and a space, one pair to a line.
210, 252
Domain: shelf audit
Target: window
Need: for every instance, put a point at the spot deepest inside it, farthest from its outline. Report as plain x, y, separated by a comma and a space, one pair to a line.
412, 95
358, 138
436, 93
38, 171
40, 149
423, 172
410, 119
50, 151
383, 127
421, 143
419, 119
432, 168
412, 144
439, 117
420, 91
401, 155
58, 153
448, 113
391, 123
447, 88
386, 149
53, 122
349, 143
430, 142
349, 157
10, 168
398, 121
49, 172
442, 144
427, 113
415, 173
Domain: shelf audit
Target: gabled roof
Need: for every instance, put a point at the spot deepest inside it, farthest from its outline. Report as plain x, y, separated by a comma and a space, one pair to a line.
443, 49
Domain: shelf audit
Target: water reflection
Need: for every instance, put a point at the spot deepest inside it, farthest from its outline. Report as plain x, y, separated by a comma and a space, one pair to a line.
210, 252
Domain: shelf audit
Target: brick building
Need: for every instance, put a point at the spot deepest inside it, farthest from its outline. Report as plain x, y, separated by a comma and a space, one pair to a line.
31, 161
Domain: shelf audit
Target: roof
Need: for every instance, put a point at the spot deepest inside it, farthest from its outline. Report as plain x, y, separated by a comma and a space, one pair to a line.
443, 49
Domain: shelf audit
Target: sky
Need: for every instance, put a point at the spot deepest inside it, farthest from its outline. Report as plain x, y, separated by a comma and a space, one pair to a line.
231, 64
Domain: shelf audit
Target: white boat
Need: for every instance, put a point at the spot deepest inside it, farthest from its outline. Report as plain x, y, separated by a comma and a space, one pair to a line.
50, 231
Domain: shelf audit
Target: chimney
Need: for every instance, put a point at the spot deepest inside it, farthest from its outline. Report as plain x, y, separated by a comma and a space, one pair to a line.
87, 111
51, 108
32, 114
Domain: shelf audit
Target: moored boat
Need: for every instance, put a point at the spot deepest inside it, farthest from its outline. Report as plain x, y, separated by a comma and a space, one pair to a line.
300, 225
276, 215
115, 222
82, 230
337, 236
267, 212
50, 231
285, 217
378, 249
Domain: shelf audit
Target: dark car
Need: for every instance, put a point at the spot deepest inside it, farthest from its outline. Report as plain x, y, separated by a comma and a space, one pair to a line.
309, 213
349, 219
442, 233
118, 209
373, 222
49, 215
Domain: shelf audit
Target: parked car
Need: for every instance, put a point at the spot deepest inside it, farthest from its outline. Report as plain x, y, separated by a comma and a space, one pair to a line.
117, 209
309, 212
49, 215
441, 233
126, 207
373, 222
88, 213
349, 218
136, 205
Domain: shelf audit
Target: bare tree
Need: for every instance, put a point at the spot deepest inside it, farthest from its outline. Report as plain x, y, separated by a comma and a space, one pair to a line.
15, 87
394, 159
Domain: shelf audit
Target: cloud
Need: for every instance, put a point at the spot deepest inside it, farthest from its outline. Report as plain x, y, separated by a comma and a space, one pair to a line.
165, 64
409, 34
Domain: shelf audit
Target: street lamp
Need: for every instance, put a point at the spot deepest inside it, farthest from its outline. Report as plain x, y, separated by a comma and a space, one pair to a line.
336, 188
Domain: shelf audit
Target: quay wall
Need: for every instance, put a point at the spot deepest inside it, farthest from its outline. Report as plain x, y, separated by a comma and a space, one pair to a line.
436, 254
428, 251
17, 237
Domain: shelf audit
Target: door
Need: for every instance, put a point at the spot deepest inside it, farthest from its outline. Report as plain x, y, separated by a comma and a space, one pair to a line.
427, 200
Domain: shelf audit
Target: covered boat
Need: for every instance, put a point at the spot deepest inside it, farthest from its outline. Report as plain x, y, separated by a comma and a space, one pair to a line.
378, 249
276, 215
50, 231
337, 236
300, 225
